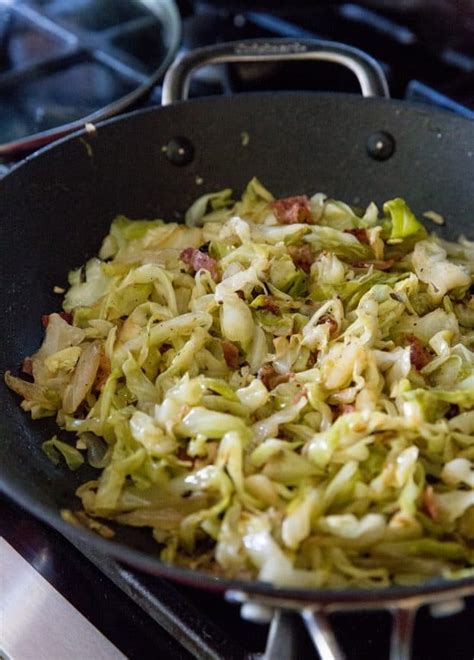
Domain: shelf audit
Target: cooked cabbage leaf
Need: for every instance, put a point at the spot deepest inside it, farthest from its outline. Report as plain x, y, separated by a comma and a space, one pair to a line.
278, 390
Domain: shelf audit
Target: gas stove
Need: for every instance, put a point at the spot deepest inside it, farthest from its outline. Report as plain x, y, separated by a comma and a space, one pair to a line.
427, 52
63, 63
425, 48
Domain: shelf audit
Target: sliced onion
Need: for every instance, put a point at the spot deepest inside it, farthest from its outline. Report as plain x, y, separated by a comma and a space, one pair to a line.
83, 377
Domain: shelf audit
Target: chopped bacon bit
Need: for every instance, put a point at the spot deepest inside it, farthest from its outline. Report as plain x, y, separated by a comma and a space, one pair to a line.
198, 259
103, 372
419, 355
66, 316
281, 378
290, 210
210, 457
265, 373
429, 503
346, 408
241, 295
270, 305
164, 347
312, 359
27, 366
271, 378
197, 462
231, 354
342, 409
360, 233
378, 265
302, 256
182, 454
186, 255
333, 327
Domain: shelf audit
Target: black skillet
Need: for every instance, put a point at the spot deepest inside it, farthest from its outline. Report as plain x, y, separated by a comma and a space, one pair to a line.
57, 205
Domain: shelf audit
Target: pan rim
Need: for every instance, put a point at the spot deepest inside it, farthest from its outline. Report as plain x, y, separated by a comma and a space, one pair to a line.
85, 131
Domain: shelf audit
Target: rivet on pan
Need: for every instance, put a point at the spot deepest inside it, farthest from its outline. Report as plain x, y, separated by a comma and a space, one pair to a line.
179, 151
380, 145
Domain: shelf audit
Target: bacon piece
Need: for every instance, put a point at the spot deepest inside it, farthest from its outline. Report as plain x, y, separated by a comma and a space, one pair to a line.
231, 354
346, 408
271, 378
164, 347
378, 265
313, 356
197, 462
325, 318
419, 355
202, 461
183, 455
27, 366
187, 254
265, 373
302, 256
270, 304
429, 503
360, 233
66, 316
290, 210
198, 259
342, 409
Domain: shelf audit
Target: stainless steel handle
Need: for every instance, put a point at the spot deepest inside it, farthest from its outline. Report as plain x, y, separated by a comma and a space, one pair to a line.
322, 635
371, 78
281, 642
403, 619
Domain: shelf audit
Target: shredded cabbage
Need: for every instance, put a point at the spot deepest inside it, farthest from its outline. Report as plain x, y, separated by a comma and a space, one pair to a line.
278, 389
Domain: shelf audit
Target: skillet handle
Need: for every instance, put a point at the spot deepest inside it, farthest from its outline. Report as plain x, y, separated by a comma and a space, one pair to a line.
371, 78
